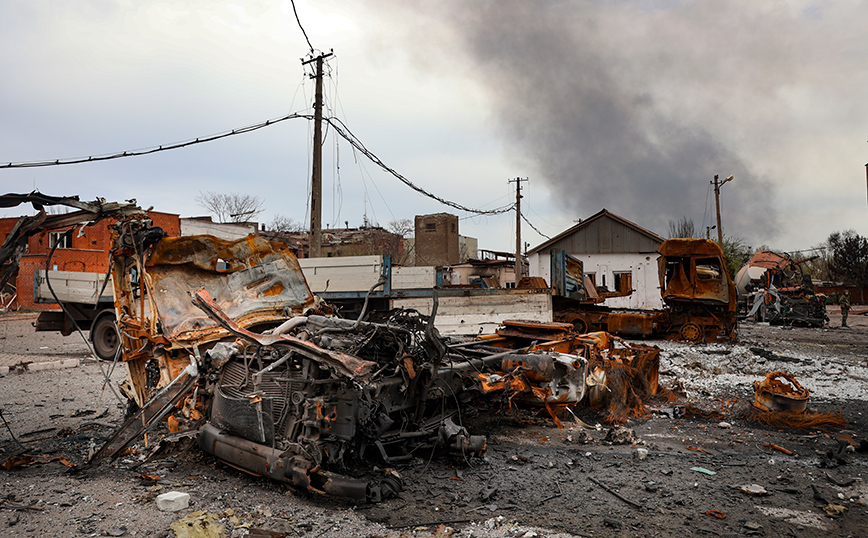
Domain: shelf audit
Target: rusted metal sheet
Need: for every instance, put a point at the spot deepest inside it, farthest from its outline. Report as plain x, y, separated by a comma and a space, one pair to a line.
694, 270
780, 391
251, 279
641, 324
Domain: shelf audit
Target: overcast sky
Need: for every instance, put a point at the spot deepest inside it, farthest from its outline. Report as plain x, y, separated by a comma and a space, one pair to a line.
629, 106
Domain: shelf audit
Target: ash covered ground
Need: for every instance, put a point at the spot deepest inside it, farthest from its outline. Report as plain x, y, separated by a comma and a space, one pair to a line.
535, 479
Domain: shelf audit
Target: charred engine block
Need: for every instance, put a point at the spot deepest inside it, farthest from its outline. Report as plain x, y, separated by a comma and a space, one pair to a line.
279, 412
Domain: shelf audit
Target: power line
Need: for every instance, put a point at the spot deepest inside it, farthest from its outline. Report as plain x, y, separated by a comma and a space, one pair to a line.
155, 149
347, 135
529, 223
338, 125
300, 26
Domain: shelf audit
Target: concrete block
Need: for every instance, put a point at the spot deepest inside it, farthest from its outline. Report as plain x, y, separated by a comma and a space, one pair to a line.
52, 365
173, 501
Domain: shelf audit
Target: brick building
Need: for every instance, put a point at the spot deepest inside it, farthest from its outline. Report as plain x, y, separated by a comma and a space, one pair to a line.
338, 242
437, 240
86, 250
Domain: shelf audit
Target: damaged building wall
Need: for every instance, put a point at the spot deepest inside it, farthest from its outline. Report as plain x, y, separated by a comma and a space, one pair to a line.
88, 252
609, 246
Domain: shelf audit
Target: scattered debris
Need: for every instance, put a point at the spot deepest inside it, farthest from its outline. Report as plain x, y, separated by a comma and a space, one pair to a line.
620, 435
834, 509
752, 489
173, 501
715, 513
703, 470
25, 460
199, 525
776, 290
772, 394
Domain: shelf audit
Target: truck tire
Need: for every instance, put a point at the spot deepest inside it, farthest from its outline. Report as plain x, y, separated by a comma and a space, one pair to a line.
104, 335
580, 326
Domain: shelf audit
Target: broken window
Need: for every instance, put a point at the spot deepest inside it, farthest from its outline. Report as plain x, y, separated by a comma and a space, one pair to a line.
60, 239
623, 281
430, 226
708, 269
677, 266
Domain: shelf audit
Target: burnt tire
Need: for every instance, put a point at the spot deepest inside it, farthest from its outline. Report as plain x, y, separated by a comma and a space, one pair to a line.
691, 332
580, 326
104, 336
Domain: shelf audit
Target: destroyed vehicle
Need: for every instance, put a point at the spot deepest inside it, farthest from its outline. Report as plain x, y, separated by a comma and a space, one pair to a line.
773, 288
698, 294
226, 339
225, 342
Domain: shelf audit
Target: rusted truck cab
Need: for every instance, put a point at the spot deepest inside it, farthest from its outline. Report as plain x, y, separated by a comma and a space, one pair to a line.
699, 295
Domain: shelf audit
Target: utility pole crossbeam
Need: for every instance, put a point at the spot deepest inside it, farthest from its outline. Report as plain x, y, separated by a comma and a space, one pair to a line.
519, 265
717, 185
315, 243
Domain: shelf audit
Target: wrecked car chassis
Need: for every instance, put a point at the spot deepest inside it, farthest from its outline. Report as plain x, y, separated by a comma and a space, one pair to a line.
225, 340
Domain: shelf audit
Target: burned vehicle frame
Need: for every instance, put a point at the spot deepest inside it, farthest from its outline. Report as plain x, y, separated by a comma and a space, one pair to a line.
775, 289
699, 295
225, 339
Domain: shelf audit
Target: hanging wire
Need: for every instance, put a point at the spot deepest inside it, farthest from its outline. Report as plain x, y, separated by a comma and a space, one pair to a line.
529, 223
347, 135
339, 126
155, 149
300, 26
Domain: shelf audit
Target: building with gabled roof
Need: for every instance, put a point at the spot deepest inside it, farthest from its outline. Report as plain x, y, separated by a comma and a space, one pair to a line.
609, 247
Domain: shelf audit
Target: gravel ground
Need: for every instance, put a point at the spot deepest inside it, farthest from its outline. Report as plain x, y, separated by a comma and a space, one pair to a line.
535, 480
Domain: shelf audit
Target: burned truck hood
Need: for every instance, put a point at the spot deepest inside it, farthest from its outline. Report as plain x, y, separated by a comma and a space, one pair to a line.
694, 270
253, 280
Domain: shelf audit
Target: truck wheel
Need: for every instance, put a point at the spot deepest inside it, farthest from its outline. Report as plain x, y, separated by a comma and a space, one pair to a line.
580, 326
104, 335
691, 332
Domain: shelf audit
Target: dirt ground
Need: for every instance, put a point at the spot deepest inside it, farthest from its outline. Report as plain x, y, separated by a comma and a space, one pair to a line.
535, 479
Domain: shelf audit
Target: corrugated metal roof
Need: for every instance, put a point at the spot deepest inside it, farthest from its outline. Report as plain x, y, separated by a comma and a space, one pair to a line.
604, 232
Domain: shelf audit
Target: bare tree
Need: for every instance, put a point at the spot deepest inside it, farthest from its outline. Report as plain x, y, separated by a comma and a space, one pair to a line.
282, 223
232, 207
402, 227
682, 228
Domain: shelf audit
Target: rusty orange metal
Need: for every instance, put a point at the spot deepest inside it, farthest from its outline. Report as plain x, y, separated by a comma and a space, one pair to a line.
780, 391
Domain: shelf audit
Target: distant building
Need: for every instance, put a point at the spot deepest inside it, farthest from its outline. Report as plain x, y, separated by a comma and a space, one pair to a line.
86, 250
338, 242
609, 247
437, 241
230, 231
491, 270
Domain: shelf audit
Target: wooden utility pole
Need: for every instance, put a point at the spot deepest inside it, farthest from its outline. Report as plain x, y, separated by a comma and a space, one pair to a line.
717, 186
315, 243
519, 265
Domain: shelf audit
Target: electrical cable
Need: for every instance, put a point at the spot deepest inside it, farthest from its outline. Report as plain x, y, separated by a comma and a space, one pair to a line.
106, 375
10, 431
300, 26
529, 223
344, 131
157, 149
339, 126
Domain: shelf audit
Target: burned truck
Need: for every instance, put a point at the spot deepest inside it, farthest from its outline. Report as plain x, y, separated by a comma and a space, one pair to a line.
224, 342
225, 339
699, 297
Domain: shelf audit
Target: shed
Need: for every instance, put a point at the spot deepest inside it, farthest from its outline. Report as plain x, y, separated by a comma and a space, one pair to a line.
609, 246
